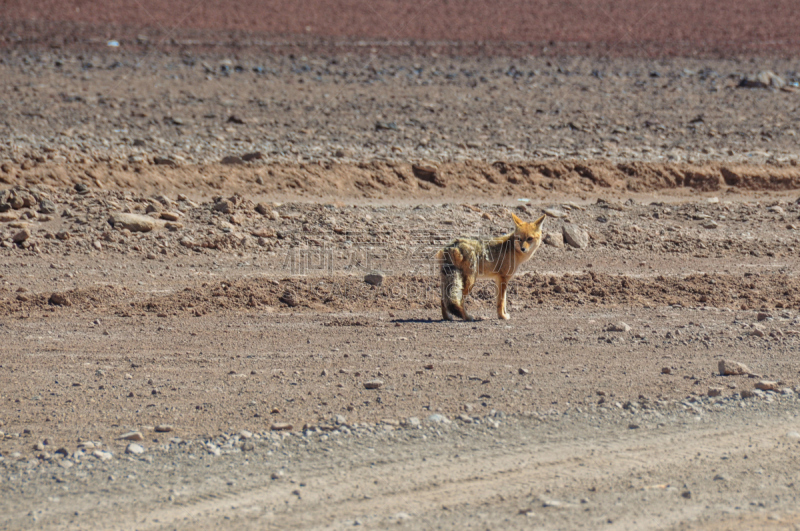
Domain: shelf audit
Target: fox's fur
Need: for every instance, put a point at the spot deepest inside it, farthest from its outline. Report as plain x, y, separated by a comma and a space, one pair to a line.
464, 260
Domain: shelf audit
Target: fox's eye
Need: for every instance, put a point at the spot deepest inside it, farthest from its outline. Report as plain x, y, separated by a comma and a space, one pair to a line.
530, 239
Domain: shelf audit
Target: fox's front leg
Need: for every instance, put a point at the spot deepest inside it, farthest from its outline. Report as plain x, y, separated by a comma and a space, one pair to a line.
502, 287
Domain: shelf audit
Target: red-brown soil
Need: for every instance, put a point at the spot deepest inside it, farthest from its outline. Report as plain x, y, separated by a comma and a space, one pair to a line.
603, 27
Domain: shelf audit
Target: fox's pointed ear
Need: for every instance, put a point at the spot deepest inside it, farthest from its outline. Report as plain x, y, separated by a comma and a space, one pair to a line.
518, 222
538, 223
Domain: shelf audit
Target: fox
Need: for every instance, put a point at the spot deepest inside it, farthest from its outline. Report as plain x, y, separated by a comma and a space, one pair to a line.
465, 260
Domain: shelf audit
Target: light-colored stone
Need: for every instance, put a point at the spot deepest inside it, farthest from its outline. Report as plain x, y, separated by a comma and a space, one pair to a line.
103, 456
281, 426
134, 222
766, 385
163, 428
575, 236
554, 240
131, 436
439, 419
732, 368
555, 213
619, 327
134, 449
373, 384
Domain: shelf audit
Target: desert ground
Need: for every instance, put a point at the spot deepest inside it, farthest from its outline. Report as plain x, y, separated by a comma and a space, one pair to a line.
219, 305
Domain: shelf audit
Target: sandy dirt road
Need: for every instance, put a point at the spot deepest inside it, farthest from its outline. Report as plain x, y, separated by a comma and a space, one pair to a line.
729, 466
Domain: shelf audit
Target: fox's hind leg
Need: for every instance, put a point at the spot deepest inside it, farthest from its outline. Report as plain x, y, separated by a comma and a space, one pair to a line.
468, 282
456, 283
452, 293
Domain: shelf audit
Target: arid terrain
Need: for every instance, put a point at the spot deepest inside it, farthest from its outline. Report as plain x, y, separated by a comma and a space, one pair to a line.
218, 301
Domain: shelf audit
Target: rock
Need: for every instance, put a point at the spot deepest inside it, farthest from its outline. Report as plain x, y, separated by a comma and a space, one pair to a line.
289, 299
224, 205
263, 232
766, 385
794, 436
103, 456
248, 446
131, 436
757, 332
428, 173
21, 236
244, 434
10, 215
666, 370
747, 393
764, 79
340, 420
173, 226
262, 209
163, 428
164, 161
58, 299
575, 236
232, 159
436, 418
618, 327
762, 316
213, 449
413, 422
170, 216
768, 78
465, 418
633, 426
715, 391
554, 240
709, 224
522, 371
63, 235
133, 222
134, 449
280, 426
374, 278
686, 494
373, 384
732, 368
720, 477
255, 155
555, 213
81, 188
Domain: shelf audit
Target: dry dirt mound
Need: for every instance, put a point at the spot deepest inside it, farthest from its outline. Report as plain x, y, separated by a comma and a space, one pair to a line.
390, 180
418, 292
605, 27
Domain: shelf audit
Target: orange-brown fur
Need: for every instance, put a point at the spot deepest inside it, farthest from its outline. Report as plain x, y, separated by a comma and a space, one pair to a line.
464, 260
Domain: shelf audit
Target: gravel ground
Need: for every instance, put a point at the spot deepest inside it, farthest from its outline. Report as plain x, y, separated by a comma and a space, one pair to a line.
212, 310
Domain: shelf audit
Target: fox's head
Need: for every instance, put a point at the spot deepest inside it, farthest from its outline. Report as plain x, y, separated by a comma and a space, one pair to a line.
527, 236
